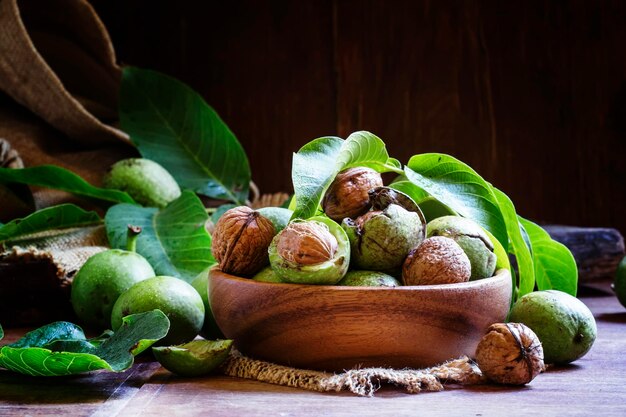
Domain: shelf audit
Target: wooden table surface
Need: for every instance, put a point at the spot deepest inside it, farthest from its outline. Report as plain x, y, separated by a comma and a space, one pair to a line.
594, 385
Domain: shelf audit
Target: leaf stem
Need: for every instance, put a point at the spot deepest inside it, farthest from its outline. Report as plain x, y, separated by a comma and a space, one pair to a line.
131, 237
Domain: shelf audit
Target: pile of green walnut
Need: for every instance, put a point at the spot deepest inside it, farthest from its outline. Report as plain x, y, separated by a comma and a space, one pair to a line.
367, 235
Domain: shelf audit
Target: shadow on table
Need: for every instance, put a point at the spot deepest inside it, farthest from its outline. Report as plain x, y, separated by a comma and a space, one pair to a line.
96, 387
22, 389
612, 317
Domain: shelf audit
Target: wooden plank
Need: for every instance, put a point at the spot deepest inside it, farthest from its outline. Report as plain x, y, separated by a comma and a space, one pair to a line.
530, 94
100, 394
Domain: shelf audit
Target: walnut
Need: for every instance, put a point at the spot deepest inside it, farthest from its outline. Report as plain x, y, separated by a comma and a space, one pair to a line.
437, 260
240, 241
306, 243
510, 353
313, 251
348, 195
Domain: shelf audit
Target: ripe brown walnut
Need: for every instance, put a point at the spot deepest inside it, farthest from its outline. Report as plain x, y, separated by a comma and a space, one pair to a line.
306, 243
510, 353
437, 260
240, 241
348, 195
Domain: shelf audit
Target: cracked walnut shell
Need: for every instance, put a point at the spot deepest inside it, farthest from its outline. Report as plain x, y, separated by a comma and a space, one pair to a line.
240, 241
510, 353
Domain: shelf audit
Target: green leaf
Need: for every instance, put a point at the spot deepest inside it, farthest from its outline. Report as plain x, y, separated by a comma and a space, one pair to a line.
59, 330
172, 125
430, 206
1, 332
57, 178
502, 261
174, 239
460, 188
517, 245
219, 211
56, 217
555, 267
277, 215
317, 163
60, 348
137, 333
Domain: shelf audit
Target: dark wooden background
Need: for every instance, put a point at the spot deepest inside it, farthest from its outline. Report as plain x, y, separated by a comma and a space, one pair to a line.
532, 94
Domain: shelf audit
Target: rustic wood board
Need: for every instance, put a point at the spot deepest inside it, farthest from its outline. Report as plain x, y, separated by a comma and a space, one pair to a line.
597, 250
593, 385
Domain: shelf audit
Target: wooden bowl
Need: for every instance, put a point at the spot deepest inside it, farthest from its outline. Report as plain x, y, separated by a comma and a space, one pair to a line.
334, 328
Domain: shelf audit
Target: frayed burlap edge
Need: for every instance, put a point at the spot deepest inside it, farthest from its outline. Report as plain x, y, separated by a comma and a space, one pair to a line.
363, 382
66, 250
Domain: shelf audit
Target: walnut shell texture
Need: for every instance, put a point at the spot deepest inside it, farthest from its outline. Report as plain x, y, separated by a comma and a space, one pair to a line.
307, 243
240, 241
348, 194
510, 353
437, 260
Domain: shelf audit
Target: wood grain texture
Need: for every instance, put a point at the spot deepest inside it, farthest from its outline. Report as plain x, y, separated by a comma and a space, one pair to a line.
531, 94
597, 251
335, 328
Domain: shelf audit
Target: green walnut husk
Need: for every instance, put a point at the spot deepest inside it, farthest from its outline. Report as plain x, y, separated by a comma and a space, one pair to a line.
210, 329
195, 358
313, 251
279, 216
381, 240
146, 181
368, 279
564, 324
471, 238
267, 274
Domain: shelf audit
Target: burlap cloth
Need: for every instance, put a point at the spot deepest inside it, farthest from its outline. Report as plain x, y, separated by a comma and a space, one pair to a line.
363, 382
59, 84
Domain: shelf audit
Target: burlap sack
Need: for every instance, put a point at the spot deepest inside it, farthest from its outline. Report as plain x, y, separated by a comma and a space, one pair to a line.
59, 84
57, 60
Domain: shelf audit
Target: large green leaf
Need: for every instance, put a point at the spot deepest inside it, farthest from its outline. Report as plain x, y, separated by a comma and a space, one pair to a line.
430, 206
172, 125
317, 163
174, 239
517, 244
52, 176
555, 267
60, 348
56, 217
459, 187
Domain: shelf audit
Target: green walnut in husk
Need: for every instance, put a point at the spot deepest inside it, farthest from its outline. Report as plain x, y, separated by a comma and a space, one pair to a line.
368, 279
348, 195
564, 324
146, 181
313, 251
471, 238
104, 277
267, 274
380, 240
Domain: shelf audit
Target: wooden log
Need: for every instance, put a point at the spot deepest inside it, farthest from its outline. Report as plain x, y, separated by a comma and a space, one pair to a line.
597, 251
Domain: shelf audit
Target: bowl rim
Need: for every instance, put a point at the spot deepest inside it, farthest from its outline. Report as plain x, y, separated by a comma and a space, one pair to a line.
499, 275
